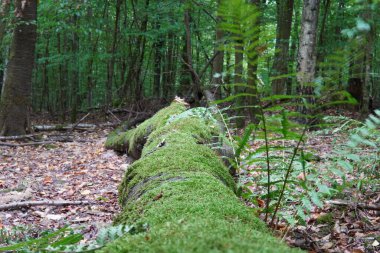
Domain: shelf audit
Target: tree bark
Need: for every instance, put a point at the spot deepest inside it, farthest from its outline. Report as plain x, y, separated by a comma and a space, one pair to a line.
253, 61
281, 57
111, 64
75, 71
307, 51
4, 12
321, 40
368, 53
217, 66
15, 99
158, 47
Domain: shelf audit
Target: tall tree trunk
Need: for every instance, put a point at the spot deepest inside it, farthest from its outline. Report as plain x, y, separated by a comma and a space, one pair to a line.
253, 61
217, 66
169, 73
294, 48
321, 52
61, 81
196, 84
281, 57
137, 59
158, 47
75, 71
238, 79
15, 99
4, 13
307, 51
111, 64
45, 101
368, 52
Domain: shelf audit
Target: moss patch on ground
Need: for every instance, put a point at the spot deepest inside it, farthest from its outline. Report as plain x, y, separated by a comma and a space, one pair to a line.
182, 190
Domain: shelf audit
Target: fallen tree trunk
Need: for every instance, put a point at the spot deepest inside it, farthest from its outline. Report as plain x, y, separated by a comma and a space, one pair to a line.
182, 190
70, 127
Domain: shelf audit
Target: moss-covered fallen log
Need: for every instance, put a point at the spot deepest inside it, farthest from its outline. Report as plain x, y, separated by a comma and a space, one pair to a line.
182, 190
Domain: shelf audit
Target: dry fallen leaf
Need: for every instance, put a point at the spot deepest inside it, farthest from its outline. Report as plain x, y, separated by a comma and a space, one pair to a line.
85, 192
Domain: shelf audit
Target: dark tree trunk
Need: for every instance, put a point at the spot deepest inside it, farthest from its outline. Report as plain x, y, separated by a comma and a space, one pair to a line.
45, 101
294, 48
238, 79
217, 66
169, 74
15, 99
368, 53
196, 85
321, 40
111, 63
281, 58
253, 59
75, 72
158, 47
4, 13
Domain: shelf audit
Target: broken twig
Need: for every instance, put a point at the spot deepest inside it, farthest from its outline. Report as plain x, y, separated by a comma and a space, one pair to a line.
353, 205
28, 204
25, 144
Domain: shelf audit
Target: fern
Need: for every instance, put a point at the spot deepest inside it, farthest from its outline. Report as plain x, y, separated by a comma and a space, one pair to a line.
67, 240
273, 166
362, 150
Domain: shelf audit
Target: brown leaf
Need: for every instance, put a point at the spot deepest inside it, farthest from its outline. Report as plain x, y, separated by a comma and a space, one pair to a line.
48, 180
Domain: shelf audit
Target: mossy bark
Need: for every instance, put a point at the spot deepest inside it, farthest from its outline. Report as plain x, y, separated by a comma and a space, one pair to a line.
182, 190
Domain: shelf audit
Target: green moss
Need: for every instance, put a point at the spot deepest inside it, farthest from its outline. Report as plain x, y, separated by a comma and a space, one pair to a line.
198, 214
128, 141
175, 159
184, 192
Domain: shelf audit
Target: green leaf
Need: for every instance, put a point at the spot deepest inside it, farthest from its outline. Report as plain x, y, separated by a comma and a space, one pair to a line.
346, 165
362, 26
315, 199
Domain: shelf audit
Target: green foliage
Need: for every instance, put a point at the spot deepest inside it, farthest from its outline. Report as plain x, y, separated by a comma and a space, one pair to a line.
63, 240
361, 154
271, 156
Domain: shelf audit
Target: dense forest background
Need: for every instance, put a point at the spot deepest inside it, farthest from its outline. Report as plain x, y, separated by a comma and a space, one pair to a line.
276, 100
101, 54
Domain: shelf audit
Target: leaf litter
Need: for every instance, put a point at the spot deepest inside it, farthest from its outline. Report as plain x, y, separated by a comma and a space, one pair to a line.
72, 171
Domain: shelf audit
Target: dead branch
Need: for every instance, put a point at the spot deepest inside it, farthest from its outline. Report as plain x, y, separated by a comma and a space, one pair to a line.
80, 127
19, 137
6, 144
113, 115
120, 110
76, 124
354, 205
28, 204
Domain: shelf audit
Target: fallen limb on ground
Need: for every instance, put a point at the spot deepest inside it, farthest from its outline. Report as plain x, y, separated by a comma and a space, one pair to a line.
20, 137
28, 204
80, 127
25, 144
354, 205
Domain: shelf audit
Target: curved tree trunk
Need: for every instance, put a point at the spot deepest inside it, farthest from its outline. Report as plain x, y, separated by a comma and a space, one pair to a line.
15, 99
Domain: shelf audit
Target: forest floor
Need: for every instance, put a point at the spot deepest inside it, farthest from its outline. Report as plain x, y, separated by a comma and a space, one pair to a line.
73, 171
84, 170
344, 228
